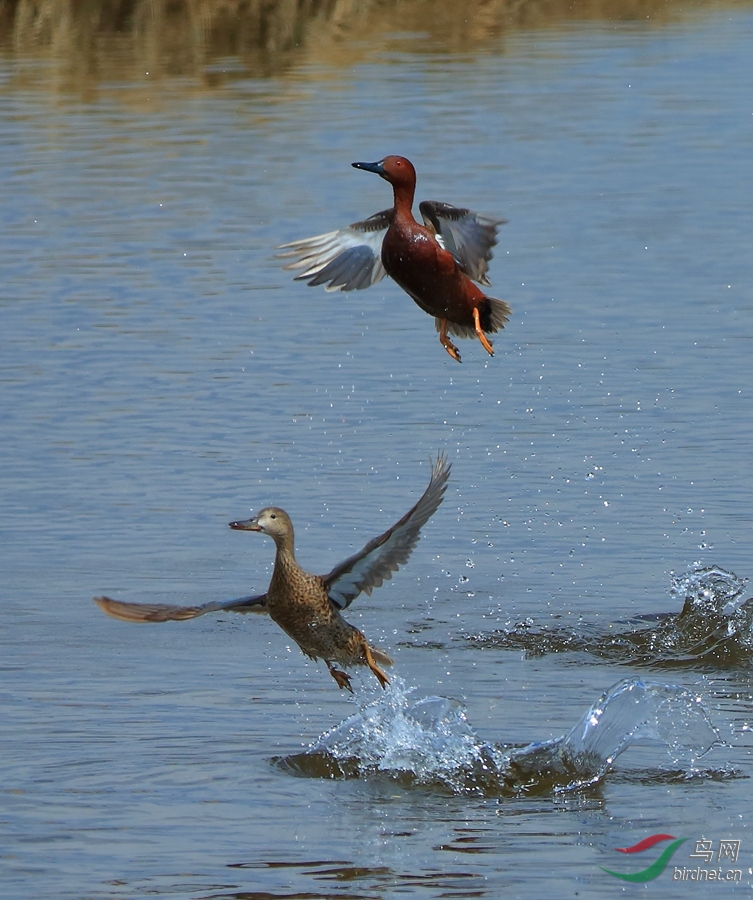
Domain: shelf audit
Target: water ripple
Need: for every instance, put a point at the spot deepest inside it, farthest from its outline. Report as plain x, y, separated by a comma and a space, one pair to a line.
714, 629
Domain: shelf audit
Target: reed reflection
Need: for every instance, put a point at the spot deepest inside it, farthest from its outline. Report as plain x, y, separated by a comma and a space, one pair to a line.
215, 41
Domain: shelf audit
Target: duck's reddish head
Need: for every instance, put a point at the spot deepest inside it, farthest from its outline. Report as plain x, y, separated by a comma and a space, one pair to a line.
397, 170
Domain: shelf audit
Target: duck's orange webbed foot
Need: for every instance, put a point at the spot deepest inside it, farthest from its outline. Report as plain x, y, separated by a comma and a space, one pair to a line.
342, 678
447, 343
480, 333
381, 677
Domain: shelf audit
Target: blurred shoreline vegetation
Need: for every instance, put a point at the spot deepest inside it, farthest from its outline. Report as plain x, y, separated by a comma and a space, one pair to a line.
214, 40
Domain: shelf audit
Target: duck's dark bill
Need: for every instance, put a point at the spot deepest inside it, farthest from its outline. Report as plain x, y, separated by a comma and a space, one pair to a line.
377, 167
246, 525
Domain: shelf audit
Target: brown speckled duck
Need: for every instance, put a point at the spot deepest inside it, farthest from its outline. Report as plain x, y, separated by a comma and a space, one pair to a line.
308, 607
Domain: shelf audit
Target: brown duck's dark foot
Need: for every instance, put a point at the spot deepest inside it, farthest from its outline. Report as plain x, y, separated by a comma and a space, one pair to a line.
381, 677
447, 343
342, 678
480, 333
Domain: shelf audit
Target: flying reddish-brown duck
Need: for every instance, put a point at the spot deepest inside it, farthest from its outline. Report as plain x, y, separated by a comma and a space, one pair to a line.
435, 263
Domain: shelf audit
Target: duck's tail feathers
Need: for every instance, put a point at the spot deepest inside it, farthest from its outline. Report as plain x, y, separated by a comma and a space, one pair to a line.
380, 656
493, 314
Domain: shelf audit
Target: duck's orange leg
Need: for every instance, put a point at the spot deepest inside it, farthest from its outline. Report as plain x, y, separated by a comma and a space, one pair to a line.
480, 333
446, 342
342, 678
381, 677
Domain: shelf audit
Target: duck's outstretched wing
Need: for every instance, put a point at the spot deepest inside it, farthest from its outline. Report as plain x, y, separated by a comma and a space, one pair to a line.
345, 260
465, 234
162, 612
367, 569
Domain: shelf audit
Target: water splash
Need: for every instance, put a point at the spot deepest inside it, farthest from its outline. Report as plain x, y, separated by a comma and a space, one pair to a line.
430, 742
709, 590
715, 628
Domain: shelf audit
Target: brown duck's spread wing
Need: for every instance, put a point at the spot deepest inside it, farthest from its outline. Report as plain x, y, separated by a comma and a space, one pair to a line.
465, 234
162, 612
345, 260
367, 569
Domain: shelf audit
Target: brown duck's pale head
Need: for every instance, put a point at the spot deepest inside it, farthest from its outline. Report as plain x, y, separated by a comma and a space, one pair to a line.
272, 521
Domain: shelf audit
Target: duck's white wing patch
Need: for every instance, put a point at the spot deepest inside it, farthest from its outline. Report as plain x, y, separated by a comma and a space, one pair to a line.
376, 562
345, 260
467, 235
163, 612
